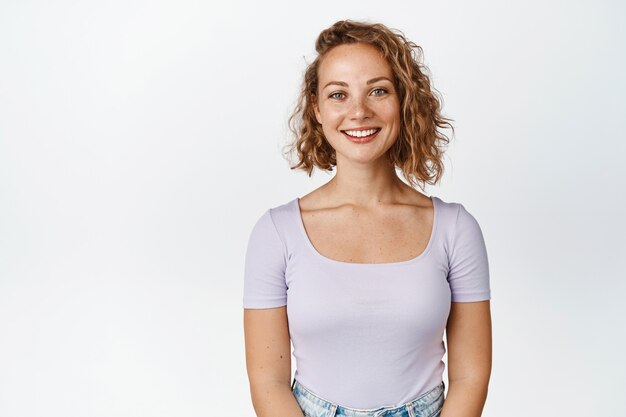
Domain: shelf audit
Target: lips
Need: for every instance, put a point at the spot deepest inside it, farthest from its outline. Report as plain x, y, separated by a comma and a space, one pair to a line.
361, 135
361, 132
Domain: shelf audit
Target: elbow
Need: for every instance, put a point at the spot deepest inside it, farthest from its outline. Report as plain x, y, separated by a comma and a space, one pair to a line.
474, 375
264, 382
478, 379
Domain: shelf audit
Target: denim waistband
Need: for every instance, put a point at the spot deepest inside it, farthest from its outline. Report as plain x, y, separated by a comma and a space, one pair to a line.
426, 405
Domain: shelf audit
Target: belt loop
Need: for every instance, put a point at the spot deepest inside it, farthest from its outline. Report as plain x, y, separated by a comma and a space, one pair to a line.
333, 410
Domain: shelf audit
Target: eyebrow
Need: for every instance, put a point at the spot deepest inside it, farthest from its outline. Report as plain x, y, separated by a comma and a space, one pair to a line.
344, 84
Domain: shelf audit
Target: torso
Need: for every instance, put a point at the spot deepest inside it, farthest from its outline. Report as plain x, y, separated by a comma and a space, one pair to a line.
391, 233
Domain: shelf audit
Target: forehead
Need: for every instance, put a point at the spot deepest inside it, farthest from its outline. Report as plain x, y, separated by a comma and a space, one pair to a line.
353, 63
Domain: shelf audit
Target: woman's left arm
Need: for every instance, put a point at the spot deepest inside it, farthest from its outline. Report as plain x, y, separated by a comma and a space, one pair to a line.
468, 333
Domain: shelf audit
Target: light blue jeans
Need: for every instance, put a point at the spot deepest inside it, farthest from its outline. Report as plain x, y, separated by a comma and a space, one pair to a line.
428, 404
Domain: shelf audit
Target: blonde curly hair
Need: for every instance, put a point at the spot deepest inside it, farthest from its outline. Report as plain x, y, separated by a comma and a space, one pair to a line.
418, 152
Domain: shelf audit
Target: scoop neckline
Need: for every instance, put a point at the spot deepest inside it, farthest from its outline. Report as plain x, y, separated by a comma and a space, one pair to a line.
309, 244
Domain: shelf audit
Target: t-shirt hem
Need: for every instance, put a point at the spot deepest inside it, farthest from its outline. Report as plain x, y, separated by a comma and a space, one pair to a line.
264, 304
463, 298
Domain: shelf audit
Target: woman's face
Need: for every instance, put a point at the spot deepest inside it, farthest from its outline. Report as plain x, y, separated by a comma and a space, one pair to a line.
357, 104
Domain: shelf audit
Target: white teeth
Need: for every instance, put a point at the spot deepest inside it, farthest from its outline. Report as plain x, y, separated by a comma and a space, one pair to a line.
360, 133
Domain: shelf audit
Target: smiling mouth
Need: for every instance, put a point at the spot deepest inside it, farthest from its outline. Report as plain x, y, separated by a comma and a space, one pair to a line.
361, 133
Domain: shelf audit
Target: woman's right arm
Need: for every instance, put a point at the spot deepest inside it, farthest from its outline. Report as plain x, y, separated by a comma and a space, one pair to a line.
268, 362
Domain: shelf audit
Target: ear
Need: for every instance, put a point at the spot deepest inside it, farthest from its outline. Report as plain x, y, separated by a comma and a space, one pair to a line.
316, 109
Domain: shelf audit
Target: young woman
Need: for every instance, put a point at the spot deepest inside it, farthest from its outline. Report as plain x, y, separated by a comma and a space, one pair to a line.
364, 274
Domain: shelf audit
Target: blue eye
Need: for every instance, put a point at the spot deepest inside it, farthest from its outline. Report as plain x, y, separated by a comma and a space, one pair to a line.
334, 95
380, 89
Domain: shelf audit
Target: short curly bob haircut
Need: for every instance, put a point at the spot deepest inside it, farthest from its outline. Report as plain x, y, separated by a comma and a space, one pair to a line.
418, 151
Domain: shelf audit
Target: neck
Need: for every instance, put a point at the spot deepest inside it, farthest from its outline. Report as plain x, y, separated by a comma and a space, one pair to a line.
366, 184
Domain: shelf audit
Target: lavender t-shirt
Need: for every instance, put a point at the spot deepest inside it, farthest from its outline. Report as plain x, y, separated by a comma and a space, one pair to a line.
366, 335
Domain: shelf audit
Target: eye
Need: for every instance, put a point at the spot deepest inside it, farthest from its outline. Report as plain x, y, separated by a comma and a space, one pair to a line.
379, 91
336, 95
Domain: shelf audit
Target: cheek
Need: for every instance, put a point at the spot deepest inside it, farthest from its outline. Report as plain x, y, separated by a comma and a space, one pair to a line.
392, 114
331, 115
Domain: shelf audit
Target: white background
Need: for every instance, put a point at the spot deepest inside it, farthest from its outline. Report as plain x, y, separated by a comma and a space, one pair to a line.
140, 141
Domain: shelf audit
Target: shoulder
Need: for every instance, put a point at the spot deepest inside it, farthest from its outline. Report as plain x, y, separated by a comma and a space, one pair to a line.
456, 223
453, 212
278, 220
447, 211
279, 213
275, 214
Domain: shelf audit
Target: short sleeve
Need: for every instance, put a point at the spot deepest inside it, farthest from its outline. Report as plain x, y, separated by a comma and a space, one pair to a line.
468, 274
265, 262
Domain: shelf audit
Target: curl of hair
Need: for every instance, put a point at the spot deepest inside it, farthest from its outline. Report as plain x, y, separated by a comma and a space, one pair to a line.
418, 151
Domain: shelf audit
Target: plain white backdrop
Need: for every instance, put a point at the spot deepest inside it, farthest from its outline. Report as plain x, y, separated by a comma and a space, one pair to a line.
140, 141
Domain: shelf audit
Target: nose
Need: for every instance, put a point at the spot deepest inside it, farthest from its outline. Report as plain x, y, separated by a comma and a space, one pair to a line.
360, 109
